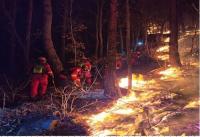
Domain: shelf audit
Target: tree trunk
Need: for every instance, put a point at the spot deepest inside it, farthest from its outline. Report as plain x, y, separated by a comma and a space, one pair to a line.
72, 32
128, 43
121, 40
174, 58
111, 85
63, 30
12, 64
28, 31
97, 32
48, 43
101, 27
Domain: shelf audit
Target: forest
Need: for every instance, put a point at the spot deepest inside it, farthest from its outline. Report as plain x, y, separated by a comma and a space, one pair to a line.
99, 67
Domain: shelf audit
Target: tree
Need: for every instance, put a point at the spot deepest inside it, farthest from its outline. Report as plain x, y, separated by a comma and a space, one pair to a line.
99, 31
63, 30
47, 37
128, 43
174, 58
28, 31
110, 80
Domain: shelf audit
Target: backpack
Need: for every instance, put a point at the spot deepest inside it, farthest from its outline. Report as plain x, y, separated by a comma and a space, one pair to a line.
39, 69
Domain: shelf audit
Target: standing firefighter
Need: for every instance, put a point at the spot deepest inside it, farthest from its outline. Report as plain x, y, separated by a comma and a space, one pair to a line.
41, 72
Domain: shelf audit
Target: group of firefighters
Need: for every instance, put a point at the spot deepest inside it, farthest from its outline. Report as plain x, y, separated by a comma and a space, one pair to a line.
42, 71
79, 74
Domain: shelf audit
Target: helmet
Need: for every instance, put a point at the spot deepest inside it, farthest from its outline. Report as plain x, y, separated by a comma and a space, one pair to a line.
42, 60
84, 58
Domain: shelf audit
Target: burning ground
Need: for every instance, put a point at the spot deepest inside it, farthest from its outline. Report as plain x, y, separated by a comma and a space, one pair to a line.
164, 102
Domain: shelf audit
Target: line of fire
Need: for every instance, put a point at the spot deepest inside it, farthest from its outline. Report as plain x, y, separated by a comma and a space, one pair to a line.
99, 68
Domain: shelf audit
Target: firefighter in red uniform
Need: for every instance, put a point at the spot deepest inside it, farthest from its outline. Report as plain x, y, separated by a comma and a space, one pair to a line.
86, 66
76, 76
41, 72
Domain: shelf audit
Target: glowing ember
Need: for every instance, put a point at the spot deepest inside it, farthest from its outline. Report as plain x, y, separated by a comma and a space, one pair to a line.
171, 72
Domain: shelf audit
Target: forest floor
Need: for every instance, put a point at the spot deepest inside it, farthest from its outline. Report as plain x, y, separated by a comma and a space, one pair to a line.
158, 107
162, 105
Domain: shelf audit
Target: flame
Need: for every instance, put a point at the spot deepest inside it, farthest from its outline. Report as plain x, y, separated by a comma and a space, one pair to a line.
171, 72
137, 81
110, 115
163, 57
163, 49
193, 104
167, 39
122, 117
166, 32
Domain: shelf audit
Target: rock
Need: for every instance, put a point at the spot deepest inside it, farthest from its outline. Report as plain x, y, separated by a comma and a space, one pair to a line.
94, 94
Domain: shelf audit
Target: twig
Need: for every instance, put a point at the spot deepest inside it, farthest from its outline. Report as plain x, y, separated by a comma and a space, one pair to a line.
80, 109
4, 100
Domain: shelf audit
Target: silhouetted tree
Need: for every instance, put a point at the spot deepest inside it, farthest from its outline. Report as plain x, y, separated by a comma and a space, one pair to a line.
47, 37
174, 58
110, 80
128, 44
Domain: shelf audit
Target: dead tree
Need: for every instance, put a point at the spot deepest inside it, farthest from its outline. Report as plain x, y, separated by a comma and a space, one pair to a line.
47, 37
174, 58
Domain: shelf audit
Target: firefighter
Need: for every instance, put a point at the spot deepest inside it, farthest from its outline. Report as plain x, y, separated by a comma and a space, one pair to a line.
86, 67
41, 72
76, 75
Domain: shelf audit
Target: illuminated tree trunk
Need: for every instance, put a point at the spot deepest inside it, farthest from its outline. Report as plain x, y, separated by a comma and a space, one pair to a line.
110, 80
128, 43
174, 58
48, 43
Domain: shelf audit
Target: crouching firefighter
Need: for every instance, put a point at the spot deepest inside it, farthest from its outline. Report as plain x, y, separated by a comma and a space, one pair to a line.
76, 74
39, 81
86, 66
